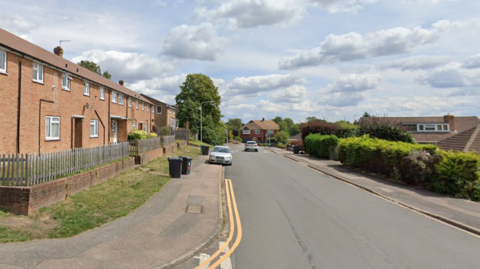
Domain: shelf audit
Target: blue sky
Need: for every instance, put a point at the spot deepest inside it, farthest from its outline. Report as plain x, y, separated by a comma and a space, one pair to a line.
332, 59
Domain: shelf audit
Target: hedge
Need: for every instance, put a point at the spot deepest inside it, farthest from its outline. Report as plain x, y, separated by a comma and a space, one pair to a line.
318, 145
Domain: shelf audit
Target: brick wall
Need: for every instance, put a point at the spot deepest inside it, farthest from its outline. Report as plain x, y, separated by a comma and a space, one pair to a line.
25, 200
148, 156
182, 144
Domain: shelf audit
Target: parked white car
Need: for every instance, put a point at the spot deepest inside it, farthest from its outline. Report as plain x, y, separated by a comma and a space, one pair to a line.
221, 154
251, 145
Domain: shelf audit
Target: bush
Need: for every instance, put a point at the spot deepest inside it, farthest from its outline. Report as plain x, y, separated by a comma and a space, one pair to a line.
384, 128
457, 174
151, 135
136, 134
282, 137
417, 167
281, 145
238, 139
164, 131
376, 155
318, 145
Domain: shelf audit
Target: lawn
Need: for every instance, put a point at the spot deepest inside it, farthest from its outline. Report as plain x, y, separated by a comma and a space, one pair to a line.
91, 208
197, 143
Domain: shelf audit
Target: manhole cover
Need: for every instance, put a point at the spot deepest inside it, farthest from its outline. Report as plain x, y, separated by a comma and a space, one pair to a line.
194, 209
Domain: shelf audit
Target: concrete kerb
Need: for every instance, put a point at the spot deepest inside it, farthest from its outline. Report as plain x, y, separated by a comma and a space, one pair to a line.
208, 240
448, 221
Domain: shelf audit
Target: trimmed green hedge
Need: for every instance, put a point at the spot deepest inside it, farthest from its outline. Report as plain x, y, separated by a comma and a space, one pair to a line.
376, 155
318, 145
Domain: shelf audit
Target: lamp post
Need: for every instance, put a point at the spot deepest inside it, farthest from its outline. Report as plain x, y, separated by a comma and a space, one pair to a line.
201, 140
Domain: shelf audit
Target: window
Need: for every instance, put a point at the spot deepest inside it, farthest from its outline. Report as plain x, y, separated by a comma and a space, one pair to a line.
143, 106
86, 89
129, 102
245, 131
3, 62
152, 109
52, 128
120, 98
257, 131
159, 109
269, 131
137, 104
94, 128
146, 127
66, 82
102, 93
134, 125
37, 72
444, 127
114, 97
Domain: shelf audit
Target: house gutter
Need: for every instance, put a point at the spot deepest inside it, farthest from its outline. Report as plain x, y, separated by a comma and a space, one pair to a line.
40, 118
108, 115
19, 104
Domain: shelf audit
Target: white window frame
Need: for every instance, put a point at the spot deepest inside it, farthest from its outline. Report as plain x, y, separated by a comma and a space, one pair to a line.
146, 128
433, 127
4, 69
134, 125
160, 110
114, 97
246, 131
129, 101
39, 69
143, 105
86, 88
137, 104
120, 99
66, 80
269, 131
95, 128
257, 131
102, 93
49, 122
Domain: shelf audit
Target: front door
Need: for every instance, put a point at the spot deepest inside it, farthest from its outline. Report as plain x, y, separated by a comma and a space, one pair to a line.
78, 132
114, 131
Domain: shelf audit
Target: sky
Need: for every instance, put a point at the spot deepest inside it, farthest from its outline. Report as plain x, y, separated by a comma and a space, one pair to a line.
330, 59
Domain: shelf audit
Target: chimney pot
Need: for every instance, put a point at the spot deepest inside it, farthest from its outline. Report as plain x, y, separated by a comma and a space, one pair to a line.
58, 51
263, 119
121, 82
450, 119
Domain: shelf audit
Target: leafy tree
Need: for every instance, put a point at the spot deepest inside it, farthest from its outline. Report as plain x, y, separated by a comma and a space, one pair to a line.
195, 90
282, 137
234, 125
92, 66
314, 119
366, 115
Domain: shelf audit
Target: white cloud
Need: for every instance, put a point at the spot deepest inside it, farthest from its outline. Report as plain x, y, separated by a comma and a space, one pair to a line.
355, 83
268, 106
423, 62
258, 84
334, 6
472, 62
18, 25
253, 13
355, 46
199, 42
127, 66
452, 75
343, 99
292, 94
163, 89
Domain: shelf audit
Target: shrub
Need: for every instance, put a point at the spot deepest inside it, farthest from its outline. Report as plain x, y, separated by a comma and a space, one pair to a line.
457, 174
136, 134
417, 167
165, 131
376, 155
384, 128
151, 135
282, 137
238, 139
318, 145
281, 145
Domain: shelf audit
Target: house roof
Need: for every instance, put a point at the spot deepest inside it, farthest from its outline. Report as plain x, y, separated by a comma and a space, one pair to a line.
296, 137
262, 125
468, 140
23, 47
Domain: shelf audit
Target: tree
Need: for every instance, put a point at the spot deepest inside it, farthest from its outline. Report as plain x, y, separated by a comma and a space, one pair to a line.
366, 115
282, 137
195, 90
313, 119
92, 66
234, 125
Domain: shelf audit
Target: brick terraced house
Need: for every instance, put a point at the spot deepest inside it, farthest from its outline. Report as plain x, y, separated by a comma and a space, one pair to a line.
259, 130
52, 104
165, 114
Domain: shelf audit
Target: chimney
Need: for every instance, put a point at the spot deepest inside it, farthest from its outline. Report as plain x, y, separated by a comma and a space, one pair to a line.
58, 51
451, 120
263, 119
121, 82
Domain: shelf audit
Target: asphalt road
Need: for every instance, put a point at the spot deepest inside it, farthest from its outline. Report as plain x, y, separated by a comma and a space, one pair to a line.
294, 217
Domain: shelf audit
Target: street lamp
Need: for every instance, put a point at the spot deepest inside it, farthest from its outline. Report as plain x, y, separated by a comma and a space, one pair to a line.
201, 140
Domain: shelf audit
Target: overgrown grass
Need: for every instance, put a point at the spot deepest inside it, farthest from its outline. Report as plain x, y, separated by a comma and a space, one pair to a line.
86, 210
197, 143
161, 164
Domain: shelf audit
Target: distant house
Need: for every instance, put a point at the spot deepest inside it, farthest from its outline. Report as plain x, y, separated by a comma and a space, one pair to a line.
165, 114
259, 130
448, 132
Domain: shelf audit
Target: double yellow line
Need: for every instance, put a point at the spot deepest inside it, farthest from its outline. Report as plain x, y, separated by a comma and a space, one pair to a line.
230, 200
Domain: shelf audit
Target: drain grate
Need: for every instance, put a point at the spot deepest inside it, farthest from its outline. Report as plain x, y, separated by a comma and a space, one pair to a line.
194, 209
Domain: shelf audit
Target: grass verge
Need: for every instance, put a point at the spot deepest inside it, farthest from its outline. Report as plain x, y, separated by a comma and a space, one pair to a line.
161, 164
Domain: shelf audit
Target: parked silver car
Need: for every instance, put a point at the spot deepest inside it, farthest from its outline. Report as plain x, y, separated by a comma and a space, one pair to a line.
221, 154
251, 145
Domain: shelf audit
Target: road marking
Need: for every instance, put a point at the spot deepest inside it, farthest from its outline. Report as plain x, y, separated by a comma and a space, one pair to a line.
232, 228
227, 263
239, 231
203, 257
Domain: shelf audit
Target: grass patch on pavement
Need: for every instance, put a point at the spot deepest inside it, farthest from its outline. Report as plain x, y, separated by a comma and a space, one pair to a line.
197, 143
161, 164
85, 210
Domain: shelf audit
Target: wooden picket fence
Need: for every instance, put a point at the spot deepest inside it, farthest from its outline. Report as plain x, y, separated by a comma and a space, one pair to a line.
36, 168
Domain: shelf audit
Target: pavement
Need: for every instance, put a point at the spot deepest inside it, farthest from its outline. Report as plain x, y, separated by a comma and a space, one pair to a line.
182, 218
460, 213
